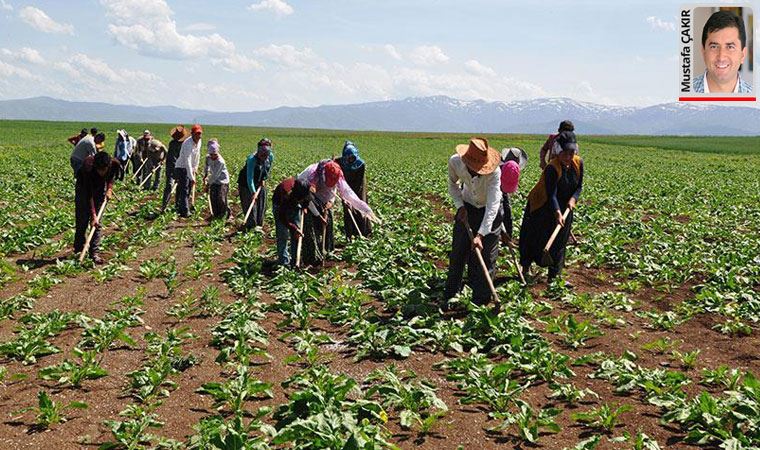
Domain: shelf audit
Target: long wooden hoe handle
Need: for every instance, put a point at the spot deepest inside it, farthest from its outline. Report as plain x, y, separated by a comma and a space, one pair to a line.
92, 231
517, 265
149, 176
300, 238
482, 265
138, 170
210, 206
250, 207
351, 215
556, 232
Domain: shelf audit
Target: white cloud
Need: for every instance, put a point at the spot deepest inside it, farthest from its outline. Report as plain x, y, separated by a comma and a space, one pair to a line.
288, 55
5, 6
475, 67
26, 54
278, 7
391, 51
200, 26
102, 71
428, 55
658, 24
150, 30
9, 70
237, 63
42, 22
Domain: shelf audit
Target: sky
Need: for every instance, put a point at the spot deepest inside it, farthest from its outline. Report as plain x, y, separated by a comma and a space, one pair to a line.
232, 55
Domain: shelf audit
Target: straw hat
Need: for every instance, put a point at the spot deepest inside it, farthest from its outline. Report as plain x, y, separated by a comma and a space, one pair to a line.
478, 156
179, 133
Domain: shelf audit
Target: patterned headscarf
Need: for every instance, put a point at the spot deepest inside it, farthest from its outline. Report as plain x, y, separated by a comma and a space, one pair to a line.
349, 149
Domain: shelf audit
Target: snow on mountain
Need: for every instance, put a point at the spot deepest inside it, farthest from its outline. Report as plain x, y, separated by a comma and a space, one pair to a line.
433, 114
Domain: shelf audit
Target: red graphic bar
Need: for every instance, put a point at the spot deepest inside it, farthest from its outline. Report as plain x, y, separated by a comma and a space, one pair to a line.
717, 99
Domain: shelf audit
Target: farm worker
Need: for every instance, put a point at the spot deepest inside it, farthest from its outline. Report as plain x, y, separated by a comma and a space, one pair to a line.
216, 180
558, 188
325, 178
550, 149
178, 134
93, 133
510, 178
353, 168
74, 139
122, 151
185, 169
87, 146
155, 154
474, 178
94, 184
252, 177
290, 197
139, 156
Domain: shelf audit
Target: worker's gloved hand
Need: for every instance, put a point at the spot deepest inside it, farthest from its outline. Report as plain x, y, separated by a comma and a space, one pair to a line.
461, 215
477, 242
560, 219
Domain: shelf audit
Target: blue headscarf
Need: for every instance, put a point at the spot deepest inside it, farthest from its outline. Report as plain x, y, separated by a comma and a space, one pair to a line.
349, 149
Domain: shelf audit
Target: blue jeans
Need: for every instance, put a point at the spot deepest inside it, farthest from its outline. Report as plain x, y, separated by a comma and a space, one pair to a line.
285, 234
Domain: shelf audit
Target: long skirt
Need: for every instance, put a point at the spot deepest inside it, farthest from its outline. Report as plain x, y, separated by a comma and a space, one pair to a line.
314, 249
218, 193
535, 231
256, 219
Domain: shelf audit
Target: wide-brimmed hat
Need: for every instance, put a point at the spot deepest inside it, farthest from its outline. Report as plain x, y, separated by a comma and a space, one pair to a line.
515, 154
179, 133
478, 156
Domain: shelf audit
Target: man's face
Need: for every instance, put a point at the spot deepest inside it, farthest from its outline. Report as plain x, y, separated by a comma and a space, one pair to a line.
723, 54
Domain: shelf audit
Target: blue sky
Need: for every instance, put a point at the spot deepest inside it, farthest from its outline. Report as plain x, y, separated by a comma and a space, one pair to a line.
257, 54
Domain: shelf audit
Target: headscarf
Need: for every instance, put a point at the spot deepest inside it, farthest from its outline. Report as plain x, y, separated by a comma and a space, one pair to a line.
213, 147
510, 177
349, 149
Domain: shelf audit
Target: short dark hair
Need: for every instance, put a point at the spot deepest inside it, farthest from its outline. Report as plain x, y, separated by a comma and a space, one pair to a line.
102, 160
724, 19
93, 131
566, 125
83, 132
100, 137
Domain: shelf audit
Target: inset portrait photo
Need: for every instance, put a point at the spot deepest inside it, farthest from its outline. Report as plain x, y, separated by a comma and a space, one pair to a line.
723, 55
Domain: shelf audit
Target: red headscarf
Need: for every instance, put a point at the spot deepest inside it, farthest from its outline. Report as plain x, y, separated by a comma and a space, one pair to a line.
333, 173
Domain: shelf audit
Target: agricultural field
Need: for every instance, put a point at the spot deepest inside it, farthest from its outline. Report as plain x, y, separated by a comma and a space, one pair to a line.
189, 338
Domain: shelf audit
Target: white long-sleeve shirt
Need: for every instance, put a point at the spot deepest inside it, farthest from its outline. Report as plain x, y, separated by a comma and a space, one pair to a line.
480, 191
189, 157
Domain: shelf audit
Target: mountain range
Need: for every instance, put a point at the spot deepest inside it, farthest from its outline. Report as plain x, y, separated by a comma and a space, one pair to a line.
424, 114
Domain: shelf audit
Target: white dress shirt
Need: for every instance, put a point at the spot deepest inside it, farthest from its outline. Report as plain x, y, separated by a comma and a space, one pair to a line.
479, 191
189, 157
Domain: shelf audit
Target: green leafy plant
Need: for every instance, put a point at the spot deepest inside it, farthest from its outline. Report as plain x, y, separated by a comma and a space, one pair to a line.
48, 412
574, 333
604, 418
69, 372
530, 423
415, 401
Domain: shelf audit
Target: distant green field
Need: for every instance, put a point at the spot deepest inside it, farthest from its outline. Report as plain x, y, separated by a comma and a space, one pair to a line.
703, 144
